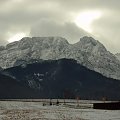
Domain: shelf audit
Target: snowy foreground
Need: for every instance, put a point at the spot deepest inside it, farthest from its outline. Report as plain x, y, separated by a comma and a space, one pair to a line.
16, 110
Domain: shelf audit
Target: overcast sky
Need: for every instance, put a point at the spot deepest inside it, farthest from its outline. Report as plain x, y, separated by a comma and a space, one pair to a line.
66, 18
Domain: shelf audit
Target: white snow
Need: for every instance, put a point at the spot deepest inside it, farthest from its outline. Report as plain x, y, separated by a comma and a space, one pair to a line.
35, 111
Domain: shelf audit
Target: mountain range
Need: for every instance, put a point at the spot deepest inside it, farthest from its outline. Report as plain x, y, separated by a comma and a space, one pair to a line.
87, 52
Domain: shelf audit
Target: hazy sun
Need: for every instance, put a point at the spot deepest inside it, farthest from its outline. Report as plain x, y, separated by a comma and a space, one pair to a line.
16, 37
85, 19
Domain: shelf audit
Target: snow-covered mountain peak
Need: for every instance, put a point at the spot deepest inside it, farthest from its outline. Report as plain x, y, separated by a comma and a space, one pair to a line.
90, 45
29, 42
88, 40
42, 40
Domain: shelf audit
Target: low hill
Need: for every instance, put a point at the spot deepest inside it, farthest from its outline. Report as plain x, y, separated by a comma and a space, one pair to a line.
65, 78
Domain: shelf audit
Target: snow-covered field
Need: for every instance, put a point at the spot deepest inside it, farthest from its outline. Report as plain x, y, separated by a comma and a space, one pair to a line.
16, 110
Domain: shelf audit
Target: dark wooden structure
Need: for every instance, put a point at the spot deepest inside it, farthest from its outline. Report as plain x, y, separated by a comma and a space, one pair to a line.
107, 106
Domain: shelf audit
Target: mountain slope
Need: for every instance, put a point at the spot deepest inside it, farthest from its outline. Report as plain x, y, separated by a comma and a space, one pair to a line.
118, 56
60, 78
87, 52
10, 88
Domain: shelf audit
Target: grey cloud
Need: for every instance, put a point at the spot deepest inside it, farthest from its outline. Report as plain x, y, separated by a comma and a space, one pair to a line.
90, 4
28, 13
2, 40
108, 30
50, 28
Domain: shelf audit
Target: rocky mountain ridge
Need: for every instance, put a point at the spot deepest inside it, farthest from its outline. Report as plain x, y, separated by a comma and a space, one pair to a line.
88, 52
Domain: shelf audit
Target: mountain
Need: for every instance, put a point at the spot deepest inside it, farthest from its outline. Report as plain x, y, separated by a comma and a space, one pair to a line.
118, 56
88, 52
10, 88
64, 78
1, 69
